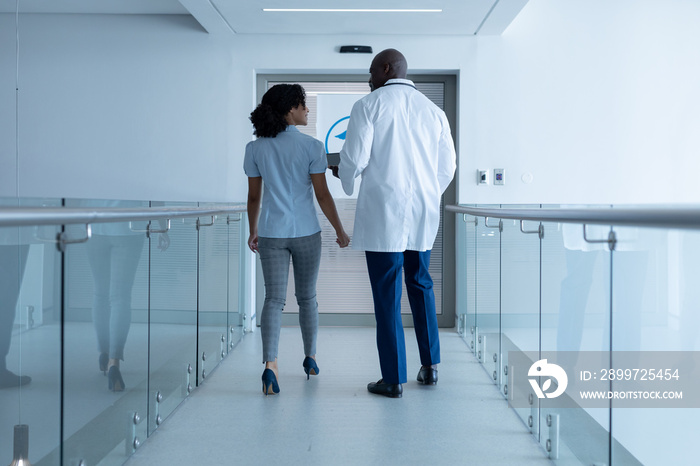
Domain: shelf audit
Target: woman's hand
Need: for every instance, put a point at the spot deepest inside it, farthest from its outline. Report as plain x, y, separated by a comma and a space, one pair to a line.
343, 239
253, 242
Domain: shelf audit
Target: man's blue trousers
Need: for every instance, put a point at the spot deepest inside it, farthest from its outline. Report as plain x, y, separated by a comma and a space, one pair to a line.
385, 277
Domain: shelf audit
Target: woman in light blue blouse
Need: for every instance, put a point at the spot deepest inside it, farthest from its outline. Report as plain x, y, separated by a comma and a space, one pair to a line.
292, 165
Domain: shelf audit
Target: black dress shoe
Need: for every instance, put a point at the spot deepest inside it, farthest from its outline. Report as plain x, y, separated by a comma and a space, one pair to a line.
392, 390
427, 376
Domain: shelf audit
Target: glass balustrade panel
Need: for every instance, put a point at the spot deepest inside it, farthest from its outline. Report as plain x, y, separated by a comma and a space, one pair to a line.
212, 293
105, 338
488, 295
30, 338
237, 236
520, 307
471, 280
575, 325
173, 315
461, 275
656, 327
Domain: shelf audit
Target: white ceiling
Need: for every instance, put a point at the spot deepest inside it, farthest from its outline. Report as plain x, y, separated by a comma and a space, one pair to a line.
145, 7
458, 17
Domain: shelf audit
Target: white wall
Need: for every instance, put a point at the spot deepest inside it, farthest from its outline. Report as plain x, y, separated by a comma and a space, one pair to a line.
112, 106
597, 99
255, 54
151, 107
8, 148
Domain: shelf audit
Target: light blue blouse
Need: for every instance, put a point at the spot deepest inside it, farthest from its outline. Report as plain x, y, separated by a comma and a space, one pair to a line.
286, 163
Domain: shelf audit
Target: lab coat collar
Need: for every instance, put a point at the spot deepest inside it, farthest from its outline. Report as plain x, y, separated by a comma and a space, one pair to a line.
400, 81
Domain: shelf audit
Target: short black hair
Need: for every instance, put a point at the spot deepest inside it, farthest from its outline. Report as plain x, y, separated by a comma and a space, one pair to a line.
268, 117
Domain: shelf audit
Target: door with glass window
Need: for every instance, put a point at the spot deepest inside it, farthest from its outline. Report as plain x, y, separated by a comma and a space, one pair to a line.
343, 291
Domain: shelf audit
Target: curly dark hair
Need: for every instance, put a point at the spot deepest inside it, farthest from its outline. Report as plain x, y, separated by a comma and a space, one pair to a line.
268, 118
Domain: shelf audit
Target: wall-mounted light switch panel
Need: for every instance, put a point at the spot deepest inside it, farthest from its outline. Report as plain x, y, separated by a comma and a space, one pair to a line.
499, 176
482, 177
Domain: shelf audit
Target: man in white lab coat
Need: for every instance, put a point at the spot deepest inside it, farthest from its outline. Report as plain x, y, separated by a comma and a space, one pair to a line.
400, 142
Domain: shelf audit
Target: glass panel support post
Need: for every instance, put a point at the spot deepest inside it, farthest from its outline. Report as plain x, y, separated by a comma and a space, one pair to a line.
158, 418
187, 387
508, 377
496, 369
132, 441
481, 347
552, 444
533, 420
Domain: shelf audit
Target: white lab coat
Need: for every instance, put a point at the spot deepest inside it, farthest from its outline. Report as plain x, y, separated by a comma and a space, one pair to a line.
400, 142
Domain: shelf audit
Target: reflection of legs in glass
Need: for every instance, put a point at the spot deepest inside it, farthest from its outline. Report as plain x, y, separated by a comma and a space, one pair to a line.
630, 273
575, 289
113, 260
306, 258
12, 263
573, 300
114, 379
419, 287
689, 293
104, 359
689, 297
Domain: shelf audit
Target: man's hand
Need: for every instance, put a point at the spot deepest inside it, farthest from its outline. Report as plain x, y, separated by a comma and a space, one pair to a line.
334, 169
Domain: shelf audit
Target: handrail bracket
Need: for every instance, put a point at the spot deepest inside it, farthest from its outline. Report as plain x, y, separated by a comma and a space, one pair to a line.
611, 240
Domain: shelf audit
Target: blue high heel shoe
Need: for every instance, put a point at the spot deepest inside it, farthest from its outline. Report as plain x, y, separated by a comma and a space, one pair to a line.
269, 383
310, 367
114, 380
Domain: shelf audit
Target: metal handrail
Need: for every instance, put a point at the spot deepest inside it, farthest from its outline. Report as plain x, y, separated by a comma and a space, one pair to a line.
657, 217
31, 216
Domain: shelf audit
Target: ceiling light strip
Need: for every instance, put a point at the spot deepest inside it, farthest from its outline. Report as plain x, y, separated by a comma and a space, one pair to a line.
350, 10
